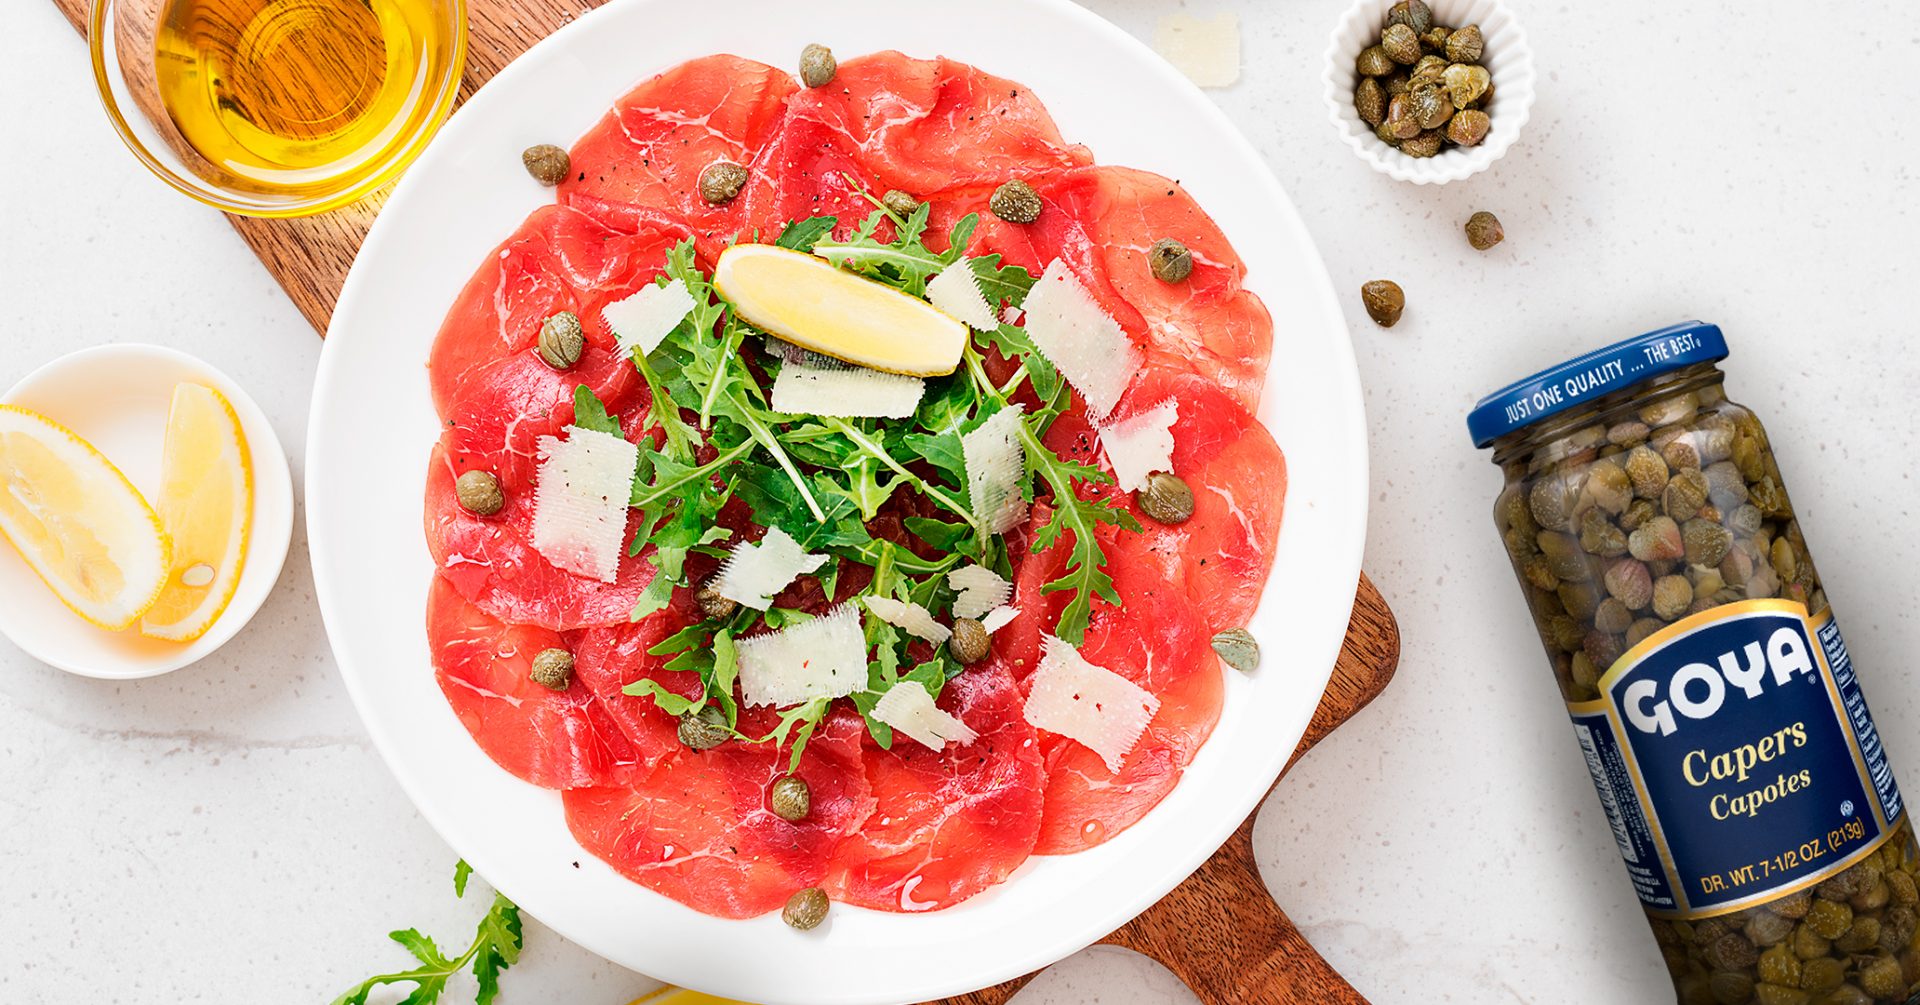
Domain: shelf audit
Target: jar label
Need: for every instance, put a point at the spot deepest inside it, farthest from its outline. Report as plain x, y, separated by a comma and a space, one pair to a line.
1736, 760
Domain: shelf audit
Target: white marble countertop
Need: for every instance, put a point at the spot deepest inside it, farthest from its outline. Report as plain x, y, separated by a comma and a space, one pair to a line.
226, 833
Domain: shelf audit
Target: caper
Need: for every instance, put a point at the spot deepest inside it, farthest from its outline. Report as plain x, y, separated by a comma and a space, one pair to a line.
479, 492
1764, 928
561, 340
1657, 540
1385, 301
1465, 83
1483, 232
1466, 45
1883, 978
791, 799
1373, 61
1431, 70
805, 910
705, 729
1165, 498
1238, 648
1169, 260
1370, 101
1015, 202
1823, 973
547, 163
1412, 13
1434, 39
1384, 132
552, 669
1469, 127
714, 606
1727, 986
1731, 951
1397, 84
721, 181
1829, 919
969, 642
1402, 121
1648, 471
817, 65
899, 203
1628, 580
1402, 44
1431, 107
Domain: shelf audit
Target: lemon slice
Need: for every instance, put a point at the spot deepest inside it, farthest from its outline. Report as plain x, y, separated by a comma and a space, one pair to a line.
808, 301
681, 996
206, 505
82, 527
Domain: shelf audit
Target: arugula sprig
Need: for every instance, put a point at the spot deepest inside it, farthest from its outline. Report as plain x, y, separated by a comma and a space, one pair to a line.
496, 946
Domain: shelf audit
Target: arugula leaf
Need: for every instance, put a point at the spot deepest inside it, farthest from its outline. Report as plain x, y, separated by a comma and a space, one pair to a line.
589, 413
1001, 284
1085, 575
801, 235
796, 727
496, 946
670, 702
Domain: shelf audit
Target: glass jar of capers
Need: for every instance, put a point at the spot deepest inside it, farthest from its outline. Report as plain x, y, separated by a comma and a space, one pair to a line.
1711, 694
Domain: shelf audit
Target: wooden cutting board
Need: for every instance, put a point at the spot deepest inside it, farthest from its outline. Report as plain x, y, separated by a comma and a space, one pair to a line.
1220, 930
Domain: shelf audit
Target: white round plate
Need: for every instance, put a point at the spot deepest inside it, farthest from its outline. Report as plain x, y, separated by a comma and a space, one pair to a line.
373, 425
116, 397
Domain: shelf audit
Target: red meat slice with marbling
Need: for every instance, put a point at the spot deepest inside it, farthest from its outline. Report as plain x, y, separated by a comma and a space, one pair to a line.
698, 827
606, 659
950, 823
556, 739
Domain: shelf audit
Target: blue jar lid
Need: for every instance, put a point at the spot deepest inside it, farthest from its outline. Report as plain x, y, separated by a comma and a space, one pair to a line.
1603, 371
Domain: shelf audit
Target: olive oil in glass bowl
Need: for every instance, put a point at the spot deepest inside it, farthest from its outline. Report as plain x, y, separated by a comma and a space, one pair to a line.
277, 107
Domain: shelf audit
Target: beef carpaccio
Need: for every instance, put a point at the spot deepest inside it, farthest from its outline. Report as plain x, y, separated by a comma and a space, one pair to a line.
905, 827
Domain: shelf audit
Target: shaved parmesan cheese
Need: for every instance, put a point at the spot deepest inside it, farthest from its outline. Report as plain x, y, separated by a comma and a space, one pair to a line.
642, 321
1011, 315
580, 501
1141, 444
1102, 710
996, 465
956, 291
1207, 50
1080, 339
980, 590
909, 709
917, 620
755, 572
822, 658
853, 392
998, 618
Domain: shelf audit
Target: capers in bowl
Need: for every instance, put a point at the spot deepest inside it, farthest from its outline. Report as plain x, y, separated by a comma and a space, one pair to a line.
1435, 68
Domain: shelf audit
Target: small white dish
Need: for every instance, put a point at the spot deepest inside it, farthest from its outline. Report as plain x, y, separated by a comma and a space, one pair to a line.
1509, 58
117, 397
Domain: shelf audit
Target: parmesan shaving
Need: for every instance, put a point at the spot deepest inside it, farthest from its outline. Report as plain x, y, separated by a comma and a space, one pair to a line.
580, 501
980, 590
1141, 444
956, 291
753, 573
998, 618
1100, 709
1207, 50
996, 464
642, 321
849, 392
917, 620
1080, 339
909, 709
822, 658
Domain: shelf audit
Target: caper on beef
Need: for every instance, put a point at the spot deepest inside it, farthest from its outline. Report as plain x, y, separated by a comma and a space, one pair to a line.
1385, 301
561, 341
547, 163
1015, 202
1483, 232
721, 181
479, 492
791, 798
1169, 260
1238, 648
1165, 498
899, 203
552, 669
969, 642
712, 604
806, 909
817, 65
705, 729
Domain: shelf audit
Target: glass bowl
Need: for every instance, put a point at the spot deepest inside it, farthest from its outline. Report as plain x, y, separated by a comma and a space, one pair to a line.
122, 38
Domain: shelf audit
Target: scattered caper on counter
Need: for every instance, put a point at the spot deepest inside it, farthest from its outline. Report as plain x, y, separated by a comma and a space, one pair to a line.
705, 729
712, 604
1238, 648
805, 910
479, 492
899, 203
1015, 202
547, 163
552, 669
721, 181
562, 340
1170, 260
1484, 230
1385, 301
817, 65
970, 641
1417, 86
791, 799
1166, 499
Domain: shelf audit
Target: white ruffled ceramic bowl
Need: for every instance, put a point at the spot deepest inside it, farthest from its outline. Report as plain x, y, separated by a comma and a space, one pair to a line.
1508, 58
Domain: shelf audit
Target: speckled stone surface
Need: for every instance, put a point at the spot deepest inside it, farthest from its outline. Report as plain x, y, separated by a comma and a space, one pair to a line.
227, 834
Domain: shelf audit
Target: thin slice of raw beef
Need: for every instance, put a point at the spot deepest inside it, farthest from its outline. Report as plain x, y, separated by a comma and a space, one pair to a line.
557, 739
698, 828
947, 824
608, 658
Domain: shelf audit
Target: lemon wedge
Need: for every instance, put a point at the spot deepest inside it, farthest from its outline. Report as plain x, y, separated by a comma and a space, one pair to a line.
206, 506
82, 527
681, 996
808, 301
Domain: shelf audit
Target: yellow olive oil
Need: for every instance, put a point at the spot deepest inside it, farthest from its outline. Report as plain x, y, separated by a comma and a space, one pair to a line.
296, 96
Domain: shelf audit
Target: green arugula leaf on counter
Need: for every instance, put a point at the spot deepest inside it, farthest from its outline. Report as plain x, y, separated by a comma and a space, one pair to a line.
496, 946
